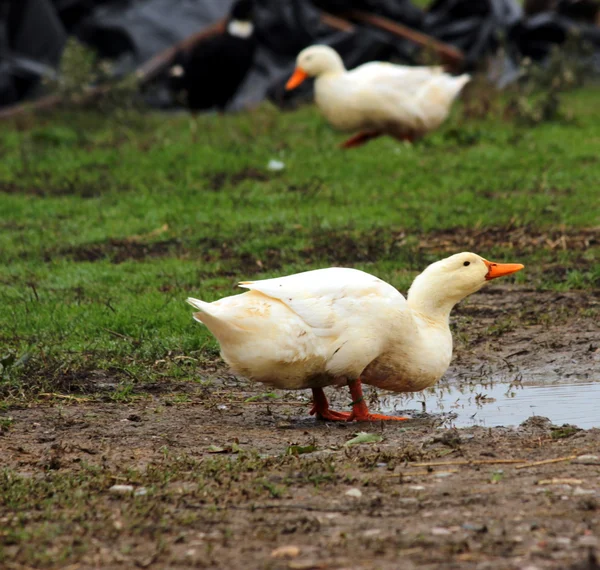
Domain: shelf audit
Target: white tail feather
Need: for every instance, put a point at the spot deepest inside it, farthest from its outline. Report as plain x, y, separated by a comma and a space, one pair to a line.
220, 327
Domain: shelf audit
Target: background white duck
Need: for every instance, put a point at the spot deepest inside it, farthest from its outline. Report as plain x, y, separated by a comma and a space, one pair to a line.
377, 98
343, 326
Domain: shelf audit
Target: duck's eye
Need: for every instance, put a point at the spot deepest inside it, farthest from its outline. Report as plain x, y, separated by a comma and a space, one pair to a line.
466, 263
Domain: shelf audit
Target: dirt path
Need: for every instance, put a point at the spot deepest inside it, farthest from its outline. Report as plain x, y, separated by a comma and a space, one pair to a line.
220, 482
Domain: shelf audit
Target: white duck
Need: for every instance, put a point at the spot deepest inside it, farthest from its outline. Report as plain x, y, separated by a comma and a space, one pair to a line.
377, 98
342, 326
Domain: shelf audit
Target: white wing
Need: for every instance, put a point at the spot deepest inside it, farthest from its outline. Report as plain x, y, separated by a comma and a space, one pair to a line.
329, 299
403, 78
418, 97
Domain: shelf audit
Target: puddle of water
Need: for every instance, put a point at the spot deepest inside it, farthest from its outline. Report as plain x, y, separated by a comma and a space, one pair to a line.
503, 404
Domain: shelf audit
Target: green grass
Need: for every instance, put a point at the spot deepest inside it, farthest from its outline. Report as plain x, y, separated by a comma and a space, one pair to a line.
109, 222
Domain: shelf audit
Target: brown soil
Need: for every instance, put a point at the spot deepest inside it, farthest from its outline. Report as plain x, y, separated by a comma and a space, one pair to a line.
527, 334
520, 240
74, 187
119, 250
344, 247
225, 488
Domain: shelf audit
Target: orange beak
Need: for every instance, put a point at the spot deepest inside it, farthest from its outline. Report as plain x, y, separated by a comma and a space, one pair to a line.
296, 79
500, 269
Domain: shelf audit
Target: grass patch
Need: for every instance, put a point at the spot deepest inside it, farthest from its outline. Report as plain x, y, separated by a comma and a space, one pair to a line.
110, 222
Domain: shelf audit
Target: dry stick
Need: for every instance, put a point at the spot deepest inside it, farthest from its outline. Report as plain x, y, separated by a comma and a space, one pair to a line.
269, 506
473, 462
153, 67
123, 336
63, 396
144, 73
546, 461
402, 474
336, 22
449, 54
50, 101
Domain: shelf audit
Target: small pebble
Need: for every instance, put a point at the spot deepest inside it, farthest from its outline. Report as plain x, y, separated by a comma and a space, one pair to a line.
579, 491
442, 475
475, 527
354, 493
305, 565
440, 531
587, 459
371, 532
408, 501
275, 165
289, 551
140, 492
121, 489
416, 487
588, 540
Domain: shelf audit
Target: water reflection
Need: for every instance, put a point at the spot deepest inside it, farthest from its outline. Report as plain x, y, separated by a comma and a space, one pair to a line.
503, 404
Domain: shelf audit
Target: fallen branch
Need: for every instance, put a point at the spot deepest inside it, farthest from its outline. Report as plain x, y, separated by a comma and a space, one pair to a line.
448, 54
547, 461
51, 101
468, 462
278, 507
402, 474
119, 335
559, 481
144, 74
154, 66
336, 22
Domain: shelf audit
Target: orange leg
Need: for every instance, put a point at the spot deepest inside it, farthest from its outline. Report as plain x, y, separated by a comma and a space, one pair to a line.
360, 412
360, 138
321, 408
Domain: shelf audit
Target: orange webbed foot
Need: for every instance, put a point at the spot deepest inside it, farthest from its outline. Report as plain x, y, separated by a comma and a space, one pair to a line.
360, 411
376, 418
323, 412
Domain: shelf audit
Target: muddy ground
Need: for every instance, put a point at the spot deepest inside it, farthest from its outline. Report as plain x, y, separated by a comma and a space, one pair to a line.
222, 482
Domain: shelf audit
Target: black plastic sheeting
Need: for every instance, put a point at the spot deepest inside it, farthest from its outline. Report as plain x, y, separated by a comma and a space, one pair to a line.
33, 34
32, 38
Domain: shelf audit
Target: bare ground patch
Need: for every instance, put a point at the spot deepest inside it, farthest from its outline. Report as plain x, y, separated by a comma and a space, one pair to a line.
221, 489
534, 335
343, 247
75, 187
519, 239
222, 481
118, 250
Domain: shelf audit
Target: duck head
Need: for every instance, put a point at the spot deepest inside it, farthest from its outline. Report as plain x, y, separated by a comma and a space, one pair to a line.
448, 281
313, 62
240, 19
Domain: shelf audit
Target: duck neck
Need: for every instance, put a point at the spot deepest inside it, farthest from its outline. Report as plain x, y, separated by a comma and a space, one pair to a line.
428, 301
335, 67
